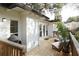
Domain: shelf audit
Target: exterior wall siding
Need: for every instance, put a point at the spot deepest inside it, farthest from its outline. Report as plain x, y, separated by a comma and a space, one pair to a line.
5, 26
28, 26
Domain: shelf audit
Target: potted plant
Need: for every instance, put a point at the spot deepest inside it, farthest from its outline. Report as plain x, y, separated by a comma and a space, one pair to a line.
63, 31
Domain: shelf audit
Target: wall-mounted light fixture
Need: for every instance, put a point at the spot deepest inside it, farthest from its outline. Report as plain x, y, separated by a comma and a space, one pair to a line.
4, 19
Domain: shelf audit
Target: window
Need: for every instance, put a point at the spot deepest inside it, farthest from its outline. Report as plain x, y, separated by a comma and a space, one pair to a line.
14, 27
44, 30
40, 30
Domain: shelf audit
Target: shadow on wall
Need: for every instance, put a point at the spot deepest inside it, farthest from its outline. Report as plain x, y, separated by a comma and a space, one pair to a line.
32, 33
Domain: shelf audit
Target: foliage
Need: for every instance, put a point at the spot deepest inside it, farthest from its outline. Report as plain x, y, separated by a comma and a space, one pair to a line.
70, 19
55, 6
36, 6
58, 5
63, 31
77, 35
47, 5
39, 6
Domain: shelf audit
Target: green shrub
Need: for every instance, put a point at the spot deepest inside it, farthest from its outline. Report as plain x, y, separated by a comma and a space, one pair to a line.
77, 35
63, 31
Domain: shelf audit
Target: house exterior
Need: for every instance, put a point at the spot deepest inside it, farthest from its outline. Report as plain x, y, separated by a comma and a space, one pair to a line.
29, 25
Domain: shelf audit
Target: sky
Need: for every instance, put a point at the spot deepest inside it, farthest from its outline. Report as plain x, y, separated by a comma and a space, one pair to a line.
69, 10
49, 14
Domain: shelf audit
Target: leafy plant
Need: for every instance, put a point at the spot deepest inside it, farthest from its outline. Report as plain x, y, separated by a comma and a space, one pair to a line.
77, 35
63, 31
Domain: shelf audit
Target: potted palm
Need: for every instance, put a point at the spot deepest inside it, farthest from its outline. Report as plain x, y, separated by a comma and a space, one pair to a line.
63, 31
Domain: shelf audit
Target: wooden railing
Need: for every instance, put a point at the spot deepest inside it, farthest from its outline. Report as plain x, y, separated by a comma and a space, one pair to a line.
8, 48
74, 45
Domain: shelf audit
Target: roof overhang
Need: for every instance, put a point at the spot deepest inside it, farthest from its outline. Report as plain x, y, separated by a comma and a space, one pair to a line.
8, 5
39, 13
23, 6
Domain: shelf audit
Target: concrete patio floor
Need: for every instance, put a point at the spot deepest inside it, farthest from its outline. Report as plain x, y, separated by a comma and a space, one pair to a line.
44, 49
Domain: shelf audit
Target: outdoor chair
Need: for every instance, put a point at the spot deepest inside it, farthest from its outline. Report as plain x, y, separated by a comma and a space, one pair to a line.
58, 46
